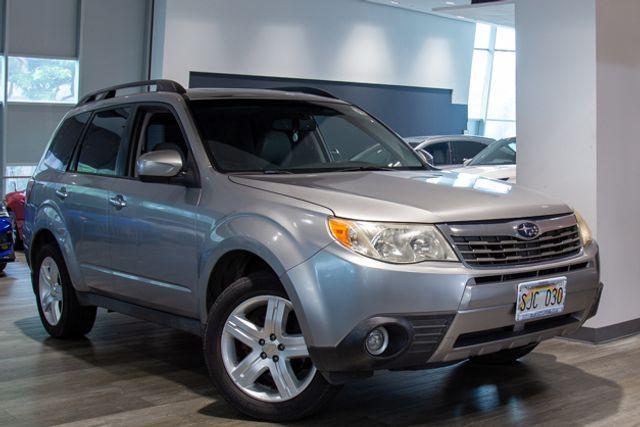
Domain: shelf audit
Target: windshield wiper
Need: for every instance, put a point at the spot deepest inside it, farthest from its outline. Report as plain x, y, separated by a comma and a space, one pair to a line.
364, 168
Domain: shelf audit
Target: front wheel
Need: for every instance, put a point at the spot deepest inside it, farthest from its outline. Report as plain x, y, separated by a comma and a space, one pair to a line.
60, 312
257, 356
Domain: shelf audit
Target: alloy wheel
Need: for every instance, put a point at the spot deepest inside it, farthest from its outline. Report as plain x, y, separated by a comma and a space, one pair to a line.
264, 351
50, 291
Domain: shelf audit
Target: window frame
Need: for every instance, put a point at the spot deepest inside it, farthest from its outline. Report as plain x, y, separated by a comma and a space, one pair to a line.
135, 134
5, 78
491, 50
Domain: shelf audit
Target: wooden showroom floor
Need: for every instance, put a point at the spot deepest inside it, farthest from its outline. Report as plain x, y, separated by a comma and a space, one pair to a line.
129, 372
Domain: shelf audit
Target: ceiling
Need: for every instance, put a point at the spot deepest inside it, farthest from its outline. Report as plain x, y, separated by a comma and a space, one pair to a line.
499, 12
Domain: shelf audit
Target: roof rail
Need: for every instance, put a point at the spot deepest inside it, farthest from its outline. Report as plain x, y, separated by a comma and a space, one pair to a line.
308, 90
110, 92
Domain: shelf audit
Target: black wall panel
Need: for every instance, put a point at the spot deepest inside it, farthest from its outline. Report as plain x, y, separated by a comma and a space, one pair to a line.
410, 111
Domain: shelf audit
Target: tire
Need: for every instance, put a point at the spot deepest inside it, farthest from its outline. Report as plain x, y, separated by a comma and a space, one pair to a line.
504, 357
17, 241
62, 316
263, 397
3, 265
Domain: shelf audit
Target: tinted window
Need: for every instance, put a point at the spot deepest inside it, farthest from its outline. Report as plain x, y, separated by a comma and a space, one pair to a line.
440, 153
297, 136
162, 132
104, 150
61, 149
464, 150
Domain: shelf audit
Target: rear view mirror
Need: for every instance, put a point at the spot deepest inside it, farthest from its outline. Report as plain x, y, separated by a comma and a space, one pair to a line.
159, 164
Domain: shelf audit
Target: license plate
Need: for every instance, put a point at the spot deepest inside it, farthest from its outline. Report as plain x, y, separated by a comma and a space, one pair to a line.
540, 298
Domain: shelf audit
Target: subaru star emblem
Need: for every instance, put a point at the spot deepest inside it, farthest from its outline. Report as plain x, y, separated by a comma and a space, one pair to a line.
528, 230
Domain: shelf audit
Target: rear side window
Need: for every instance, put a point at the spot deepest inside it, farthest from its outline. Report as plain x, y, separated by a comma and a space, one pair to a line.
104, 148
464, 150
64, 142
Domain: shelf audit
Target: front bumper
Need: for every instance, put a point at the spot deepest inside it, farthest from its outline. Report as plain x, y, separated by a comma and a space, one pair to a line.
437, 312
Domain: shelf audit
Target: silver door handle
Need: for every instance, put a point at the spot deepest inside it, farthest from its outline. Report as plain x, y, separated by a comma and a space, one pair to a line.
118, 201
62, 193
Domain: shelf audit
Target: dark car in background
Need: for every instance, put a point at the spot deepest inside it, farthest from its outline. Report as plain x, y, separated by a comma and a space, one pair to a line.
449, 151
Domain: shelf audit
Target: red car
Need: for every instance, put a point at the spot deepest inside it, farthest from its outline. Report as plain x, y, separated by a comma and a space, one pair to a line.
14, 202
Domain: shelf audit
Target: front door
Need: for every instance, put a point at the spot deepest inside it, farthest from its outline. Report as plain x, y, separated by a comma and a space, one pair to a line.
152, 225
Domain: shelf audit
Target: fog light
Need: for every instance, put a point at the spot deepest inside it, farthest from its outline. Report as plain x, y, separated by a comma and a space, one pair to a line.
377, 341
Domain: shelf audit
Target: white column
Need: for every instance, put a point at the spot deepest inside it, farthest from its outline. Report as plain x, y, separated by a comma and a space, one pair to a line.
578, 101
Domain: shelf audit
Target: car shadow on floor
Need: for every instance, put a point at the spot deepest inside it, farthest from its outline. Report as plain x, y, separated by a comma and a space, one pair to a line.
539, 390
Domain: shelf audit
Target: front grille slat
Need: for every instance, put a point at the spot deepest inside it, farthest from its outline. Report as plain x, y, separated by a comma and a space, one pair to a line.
504, 250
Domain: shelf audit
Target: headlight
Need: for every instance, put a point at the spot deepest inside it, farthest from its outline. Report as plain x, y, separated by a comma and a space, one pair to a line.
585, 231
394, 243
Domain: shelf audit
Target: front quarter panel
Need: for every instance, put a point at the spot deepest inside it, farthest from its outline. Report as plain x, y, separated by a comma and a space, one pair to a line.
283, 231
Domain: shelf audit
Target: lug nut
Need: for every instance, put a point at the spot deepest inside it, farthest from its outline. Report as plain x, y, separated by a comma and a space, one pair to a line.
280, 347
272, 337
261, 342
276, 358
263, 355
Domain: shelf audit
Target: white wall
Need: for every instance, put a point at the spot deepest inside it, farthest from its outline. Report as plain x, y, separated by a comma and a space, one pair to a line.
618, 136
578, 126
346, 40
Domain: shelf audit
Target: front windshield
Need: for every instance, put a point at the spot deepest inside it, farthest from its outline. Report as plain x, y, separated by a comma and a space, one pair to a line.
502, 152
294, 137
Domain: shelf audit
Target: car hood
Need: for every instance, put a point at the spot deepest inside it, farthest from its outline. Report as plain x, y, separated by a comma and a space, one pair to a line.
502, 172
409, 196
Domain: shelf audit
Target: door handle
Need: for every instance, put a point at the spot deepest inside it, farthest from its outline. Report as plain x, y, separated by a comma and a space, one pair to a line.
62, 193
118, 202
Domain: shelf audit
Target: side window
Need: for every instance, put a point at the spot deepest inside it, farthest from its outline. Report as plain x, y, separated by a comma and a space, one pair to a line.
464, 150
64, 142
104, 148
161, 131
440, 153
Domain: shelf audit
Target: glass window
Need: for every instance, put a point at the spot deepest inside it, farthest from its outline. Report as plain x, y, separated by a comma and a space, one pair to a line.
483, 36
440, 153
283, 136
505, 38
464, 150
17, 177
64, 142
42, 80
502, 97
501, 152
479, 70
497, 130
162, 132
104, 150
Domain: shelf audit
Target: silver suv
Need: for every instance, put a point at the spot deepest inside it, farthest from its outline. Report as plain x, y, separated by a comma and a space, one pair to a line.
306, 242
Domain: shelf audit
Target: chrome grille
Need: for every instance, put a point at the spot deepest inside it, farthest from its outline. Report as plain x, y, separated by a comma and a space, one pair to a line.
494, 245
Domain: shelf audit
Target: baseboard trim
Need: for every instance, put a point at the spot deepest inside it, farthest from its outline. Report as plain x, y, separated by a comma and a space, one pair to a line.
607, 333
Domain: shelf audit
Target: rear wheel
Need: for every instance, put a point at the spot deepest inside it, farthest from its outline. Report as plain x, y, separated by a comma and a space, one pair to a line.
257, 356
504, 357
60, 312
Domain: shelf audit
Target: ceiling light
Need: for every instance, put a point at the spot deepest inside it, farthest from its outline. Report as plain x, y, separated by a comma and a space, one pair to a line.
450, 3
394, 2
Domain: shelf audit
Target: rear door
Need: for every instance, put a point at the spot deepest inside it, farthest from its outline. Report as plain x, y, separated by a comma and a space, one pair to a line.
152, 226
99, 161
